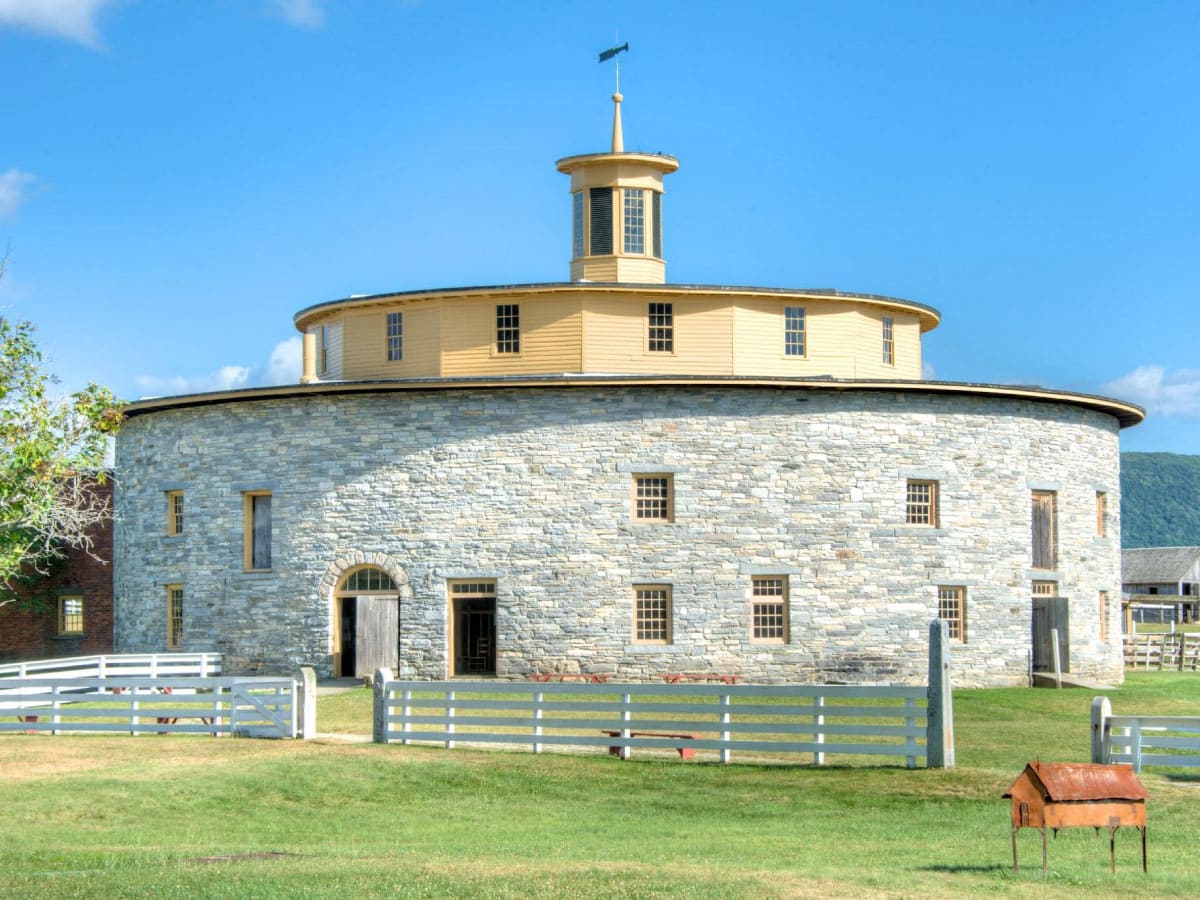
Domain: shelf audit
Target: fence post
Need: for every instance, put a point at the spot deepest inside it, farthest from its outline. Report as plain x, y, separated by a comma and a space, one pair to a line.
1054, 654
308, 703
1101, 710
626, 715
725, 754
538, 699
939, 713
819, 724
379, 690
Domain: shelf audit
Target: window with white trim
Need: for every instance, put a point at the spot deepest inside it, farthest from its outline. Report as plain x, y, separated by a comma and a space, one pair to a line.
793, 331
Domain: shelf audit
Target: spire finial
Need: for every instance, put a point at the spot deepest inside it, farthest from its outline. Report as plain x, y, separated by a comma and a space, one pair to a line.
618, 141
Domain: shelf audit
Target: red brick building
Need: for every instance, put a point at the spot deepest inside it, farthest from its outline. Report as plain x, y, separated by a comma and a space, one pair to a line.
68, 612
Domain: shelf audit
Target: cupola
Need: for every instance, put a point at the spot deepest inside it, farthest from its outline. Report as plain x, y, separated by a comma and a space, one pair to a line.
616, 212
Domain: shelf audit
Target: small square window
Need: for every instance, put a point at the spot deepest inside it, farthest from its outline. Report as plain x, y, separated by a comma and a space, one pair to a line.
921, 503
174, 616
652, 613
70, 615
653, 498
174, 513
952, 609
769, 608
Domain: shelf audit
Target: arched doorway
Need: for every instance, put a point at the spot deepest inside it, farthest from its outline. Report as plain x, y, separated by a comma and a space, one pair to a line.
366, 624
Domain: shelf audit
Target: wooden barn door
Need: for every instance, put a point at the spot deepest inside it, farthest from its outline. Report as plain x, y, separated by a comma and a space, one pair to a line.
1050, 613
376, 635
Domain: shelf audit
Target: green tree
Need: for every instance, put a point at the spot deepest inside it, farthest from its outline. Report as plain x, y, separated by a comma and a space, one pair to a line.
52, 454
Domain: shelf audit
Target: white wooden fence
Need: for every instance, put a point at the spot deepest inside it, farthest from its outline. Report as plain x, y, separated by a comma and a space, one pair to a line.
890, 721
150, 665
245, 707
1172, 741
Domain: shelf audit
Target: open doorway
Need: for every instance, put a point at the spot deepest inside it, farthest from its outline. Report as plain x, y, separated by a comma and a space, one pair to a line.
366, 624
473, 627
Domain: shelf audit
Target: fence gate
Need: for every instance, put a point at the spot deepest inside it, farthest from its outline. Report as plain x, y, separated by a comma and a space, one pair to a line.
262, 708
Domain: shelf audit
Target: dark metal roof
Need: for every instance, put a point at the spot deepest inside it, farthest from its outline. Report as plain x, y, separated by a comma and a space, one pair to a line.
1157, 565
1125, 413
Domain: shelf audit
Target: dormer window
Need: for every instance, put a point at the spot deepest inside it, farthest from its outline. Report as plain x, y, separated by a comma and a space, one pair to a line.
635, 220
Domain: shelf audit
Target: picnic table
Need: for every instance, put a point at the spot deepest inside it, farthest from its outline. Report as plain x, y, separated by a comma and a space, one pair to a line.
592, 677
677, 677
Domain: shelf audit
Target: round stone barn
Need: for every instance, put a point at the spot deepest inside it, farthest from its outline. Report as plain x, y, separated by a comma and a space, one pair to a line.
616, 474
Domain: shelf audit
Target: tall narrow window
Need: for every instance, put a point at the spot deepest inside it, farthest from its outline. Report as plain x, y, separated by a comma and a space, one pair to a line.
1045, 537
395, 336
174, 616
508, 328
652, 613
952, 609
257, 530
601, 220
1101, 514
1104, 617
577, 224
635, 220
174, 513
323, 351
889, 345
793, 330
653, 498
921, 503
656, 225
661, 336
768, 608
70, 615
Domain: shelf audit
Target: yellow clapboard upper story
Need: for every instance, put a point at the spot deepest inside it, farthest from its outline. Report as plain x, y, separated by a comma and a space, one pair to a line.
617, 315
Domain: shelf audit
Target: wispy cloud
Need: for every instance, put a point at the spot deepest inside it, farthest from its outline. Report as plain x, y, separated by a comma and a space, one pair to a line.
300, 13
282, 367
1161, 392
12, 189
74, 20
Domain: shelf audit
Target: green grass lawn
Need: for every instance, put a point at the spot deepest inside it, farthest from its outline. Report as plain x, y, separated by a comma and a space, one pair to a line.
186, 816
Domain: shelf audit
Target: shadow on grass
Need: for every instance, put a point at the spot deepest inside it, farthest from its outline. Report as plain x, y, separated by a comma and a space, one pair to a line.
995, 867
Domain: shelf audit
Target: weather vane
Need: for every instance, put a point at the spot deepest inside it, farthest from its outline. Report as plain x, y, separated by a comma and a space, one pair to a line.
606, 55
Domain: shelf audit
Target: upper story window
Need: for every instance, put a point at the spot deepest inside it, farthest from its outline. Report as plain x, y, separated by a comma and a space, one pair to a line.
395, 336
653, 498
174, 513
661, 335
921, 503
577, 224
257, 531
600, 201
1101, 514
323, 350
889, 344
70, 615
1104, 616
793, 331
1045, 530
635, 220
508, 328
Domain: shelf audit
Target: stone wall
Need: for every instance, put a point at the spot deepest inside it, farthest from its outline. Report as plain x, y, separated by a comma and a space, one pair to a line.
532, 487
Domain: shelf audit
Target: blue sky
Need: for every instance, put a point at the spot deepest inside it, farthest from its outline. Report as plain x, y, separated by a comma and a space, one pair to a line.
178, 177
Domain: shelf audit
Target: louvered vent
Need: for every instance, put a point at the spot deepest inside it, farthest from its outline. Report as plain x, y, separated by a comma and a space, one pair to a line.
601, 221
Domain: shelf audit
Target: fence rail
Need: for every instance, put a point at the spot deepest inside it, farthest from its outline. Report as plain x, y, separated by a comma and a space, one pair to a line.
151, 665
1178, 650
249, 707
1140, 741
